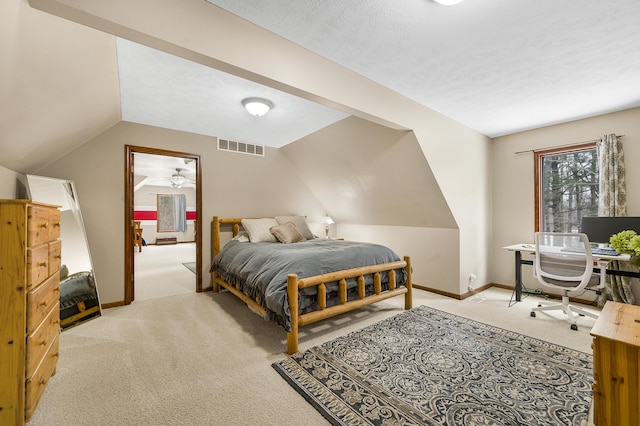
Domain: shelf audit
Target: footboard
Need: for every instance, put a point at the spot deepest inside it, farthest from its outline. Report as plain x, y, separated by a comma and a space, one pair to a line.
294, 285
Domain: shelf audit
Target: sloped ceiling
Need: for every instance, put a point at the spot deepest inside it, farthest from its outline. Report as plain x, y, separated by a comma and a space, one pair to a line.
346, 173
58, 86
162, 90
497, 66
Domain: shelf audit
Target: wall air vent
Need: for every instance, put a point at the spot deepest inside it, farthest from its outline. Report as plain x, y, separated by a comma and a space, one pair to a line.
241, 147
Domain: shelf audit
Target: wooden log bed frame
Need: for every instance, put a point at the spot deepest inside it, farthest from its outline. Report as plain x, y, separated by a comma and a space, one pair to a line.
294, 284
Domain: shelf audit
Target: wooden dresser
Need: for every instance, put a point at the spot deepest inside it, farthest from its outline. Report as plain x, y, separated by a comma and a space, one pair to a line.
30, 257
616, 365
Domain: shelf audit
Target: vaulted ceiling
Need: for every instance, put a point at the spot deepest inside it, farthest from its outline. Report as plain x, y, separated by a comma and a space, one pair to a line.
496, 66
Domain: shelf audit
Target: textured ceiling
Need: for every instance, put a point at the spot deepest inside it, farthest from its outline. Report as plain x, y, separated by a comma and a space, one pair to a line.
497, 66
162, 90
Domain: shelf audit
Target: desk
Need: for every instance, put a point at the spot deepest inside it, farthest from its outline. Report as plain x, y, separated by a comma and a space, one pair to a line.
602, 260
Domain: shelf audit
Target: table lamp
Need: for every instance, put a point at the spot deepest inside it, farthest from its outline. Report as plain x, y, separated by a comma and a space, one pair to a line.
326, 221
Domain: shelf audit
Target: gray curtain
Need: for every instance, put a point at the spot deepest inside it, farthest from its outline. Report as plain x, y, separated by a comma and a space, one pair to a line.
172, 212
613, 202
180, 209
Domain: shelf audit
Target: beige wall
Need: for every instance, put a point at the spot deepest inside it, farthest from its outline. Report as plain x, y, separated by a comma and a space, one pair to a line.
195, 30
376, 183
232, 185
513, 185
9, 182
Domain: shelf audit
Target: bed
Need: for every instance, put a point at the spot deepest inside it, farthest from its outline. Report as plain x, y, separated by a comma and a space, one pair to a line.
78, 298
290, 277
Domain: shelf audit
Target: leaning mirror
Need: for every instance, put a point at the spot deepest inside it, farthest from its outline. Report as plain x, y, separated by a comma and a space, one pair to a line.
78, 291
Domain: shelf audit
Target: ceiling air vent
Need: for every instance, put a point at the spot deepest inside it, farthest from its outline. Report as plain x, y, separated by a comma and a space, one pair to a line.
241, 147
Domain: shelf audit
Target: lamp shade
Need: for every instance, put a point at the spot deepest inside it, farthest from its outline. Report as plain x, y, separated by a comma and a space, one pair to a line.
448, 2
327, 221
257, 106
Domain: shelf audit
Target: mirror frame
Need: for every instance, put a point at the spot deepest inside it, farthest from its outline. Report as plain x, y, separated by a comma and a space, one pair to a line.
70, 203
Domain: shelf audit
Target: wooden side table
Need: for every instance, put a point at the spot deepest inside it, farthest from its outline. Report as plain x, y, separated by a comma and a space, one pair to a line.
616, 365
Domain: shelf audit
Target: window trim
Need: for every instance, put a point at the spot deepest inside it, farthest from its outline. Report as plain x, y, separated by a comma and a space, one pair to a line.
537, 174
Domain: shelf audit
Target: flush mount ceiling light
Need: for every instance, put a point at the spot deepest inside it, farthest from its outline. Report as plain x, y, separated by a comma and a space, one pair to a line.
257, 106
448, 2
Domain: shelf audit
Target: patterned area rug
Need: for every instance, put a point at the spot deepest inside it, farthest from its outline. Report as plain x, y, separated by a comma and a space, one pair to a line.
428, 367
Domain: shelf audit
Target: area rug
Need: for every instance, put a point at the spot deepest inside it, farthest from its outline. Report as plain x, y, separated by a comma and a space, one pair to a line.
428, 367
191, 266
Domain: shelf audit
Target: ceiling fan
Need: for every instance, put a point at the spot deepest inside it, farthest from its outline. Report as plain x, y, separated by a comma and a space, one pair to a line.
178, 179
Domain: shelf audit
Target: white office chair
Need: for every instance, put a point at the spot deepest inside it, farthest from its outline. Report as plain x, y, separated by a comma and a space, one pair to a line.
565, 262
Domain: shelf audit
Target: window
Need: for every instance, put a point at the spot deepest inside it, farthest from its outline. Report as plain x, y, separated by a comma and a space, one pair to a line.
566, 187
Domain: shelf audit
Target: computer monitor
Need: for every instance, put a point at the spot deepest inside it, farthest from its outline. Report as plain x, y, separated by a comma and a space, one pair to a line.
600, 229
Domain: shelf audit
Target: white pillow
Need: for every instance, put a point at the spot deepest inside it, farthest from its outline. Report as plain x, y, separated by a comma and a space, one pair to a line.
259, 229
300, 222
243, 237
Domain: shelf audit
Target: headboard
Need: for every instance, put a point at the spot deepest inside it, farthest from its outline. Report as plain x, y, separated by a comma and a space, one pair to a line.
215, 231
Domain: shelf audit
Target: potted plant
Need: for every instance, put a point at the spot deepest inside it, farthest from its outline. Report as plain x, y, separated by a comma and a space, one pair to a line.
627, 242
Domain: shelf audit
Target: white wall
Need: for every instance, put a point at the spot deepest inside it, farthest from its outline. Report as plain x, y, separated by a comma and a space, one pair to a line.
513, 184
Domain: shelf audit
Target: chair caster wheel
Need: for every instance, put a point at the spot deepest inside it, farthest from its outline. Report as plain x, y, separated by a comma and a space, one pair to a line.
533, 314
539, 305
574, 327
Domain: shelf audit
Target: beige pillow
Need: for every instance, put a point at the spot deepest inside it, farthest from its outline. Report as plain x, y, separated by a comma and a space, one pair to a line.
287, 233
300, 222
258, 229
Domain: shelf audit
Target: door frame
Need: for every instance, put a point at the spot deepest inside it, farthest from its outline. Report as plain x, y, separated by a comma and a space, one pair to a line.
129, 273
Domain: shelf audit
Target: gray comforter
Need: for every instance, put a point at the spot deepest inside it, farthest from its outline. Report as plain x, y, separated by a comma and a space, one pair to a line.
261, 269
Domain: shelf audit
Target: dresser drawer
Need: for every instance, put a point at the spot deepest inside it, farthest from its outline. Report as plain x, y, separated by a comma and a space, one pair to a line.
40, 340
36, 384
37, 265
55, 256
41, 301
38, 225
54, 224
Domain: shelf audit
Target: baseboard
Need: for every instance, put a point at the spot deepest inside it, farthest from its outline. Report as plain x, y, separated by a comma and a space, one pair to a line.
502, 286
166, 240
436, 291
112, 304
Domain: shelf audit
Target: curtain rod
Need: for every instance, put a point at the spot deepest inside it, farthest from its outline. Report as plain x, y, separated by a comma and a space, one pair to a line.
562, 146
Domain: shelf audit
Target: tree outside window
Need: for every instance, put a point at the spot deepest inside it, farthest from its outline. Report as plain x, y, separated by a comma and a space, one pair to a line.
566, 187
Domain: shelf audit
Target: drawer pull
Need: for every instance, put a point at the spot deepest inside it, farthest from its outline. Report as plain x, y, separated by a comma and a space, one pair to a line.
43, 303
44, 342
56, 289
44, 226
42, 264
56, 225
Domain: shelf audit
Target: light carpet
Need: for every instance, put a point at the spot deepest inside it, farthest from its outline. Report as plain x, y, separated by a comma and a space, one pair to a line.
204, 359
429, 367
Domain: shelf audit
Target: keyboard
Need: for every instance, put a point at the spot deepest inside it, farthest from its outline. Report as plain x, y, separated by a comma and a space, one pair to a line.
597, 251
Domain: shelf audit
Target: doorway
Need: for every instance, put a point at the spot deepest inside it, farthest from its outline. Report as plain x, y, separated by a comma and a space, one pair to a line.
132, 225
